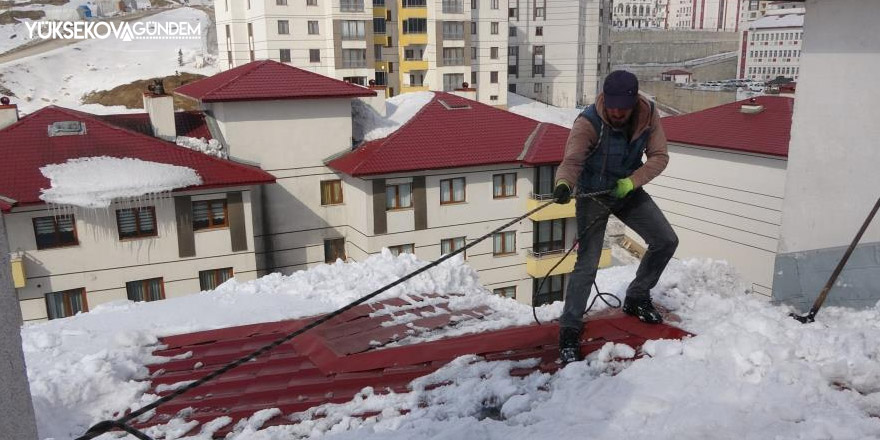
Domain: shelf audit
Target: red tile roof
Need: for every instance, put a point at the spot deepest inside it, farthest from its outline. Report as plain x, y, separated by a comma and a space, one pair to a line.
333, 362
26, 147
189, 123
264, 80
725, 127
451, 131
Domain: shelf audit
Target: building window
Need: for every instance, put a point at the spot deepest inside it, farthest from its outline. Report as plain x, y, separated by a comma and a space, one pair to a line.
66, 303
494, 4
359, 80
473, 53
281, 2
544, 176
136, 222
209, 214
398, 196
450, 245
453, 30
334, 249
493, 97
283, 27
473, 79
539, 87
314, 55
507, 292
152, 289
538, 61
549, 236
52, 232
504, 243
539, 12
453, 56
493, 28
452, 81
539, 31
415, 26
473, 28
331, 192
284, 55
353, 30
351, 5
313, 27
511, 31
474, 4
452, 190
379, 25
493, 53
311, 2
380, 3
453, 6
402, 249
211, 279
504, 185
354, 58
550, 292
493, 77
511, 13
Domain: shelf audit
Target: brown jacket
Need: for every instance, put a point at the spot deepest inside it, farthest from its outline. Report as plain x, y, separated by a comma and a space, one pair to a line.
582, 140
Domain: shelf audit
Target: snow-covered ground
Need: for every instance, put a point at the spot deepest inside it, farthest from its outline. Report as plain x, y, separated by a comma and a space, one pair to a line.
13, 35
541, 112
751, 372
103, 64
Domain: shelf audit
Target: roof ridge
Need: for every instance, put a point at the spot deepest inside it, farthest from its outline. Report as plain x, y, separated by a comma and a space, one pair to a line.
529, 140
254, 66
320, 76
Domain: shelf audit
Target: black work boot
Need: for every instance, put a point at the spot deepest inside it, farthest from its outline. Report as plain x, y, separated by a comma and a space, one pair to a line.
569, 345
642, 309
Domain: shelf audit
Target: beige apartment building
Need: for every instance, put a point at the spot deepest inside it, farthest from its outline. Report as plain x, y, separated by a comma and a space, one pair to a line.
403, 45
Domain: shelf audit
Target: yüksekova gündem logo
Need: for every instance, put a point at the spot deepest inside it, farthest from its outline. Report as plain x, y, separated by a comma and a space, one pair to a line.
125, 31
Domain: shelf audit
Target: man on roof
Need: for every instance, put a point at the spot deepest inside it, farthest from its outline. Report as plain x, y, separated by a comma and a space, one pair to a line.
604, 153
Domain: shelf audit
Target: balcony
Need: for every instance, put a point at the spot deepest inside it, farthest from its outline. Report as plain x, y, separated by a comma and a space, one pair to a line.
413, 39
551, 212
539, 263
410, 65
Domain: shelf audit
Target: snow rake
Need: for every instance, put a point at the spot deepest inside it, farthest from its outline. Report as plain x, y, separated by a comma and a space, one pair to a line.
810, 317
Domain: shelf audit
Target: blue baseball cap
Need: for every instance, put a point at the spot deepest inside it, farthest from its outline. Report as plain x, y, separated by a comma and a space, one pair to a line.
621, 90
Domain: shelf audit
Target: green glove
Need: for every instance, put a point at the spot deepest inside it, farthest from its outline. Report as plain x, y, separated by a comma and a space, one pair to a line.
624, 187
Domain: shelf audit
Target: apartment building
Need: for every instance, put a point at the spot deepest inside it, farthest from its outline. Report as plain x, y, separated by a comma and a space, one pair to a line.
67, 259
709, 15
771, 45
403, 45
559, 52
639, 14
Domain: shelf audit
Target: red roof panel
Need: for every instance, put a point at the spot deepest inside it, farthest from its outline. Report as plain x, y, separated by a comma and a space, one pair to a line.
188, 123
725, 127
451, 131
264, 80
26, 148
333, 362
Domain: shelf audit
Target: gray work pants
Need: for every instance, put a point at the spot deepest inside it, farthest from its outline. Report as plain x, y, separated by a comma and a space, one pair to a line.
641, 214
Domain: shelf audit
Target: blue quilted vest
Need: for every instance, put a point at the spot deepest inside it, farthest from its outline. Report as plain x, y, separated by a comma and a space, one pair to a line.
614, 156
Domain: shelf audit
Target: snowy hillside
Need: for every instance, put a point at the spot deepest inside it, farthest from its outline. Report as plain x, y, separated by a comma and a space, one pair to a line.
103, 64
750, 372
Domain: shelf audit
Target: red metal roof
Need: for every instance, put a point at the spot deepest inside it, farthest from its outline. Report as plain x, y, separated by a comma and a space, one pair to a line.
188, 123
451, 131
725, 127
363, 347
26, 147
267, 79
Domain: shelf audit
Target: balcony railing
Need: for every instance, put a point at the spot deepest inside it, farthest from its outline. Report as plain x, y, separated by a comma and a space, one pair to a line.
351, 5
550, 253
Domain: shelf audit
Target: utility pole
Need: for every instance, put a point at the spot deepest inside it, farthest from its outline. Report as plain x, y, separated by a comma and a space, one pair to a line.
16, 408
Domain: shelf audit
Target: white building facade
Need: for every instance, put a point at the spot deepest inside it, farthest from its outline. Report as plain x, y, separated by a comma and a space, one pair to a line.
545, 60
707, 15
771, 46
639, 14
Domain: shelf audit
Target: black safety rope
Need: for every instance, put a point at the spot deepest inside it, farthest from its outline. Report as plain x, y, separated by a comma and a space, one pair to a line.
123, 422
599, 294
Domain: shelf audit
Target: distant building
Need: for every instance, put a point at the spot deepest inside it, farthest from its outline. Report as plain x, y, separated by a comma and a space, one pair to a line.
708, 15
406, 46
559, 52
677, 76
639, 14
771, 46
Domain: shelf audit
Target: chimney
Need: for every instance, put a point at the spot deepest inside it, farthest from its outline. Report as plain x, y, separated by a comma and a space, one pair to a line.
752, 108
465, 91
160, 108
8, 113
377, 102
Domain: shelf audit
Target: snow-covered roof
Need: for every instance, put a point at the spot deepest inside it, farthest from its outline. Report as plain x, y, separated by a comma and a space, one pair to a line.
778, 21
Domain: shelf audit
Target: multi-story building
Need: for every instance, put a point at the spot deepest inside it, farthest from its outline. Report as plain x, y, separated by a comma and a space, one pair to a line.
545, 60
709, 15
771, 46
404, 45
639, 14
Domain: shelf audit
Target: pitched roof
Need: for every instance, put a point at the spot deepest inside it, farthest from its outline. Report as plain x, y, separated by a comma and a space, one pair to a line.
265, 80
725, 127
188, 123
365, 346
27, 147
451, 131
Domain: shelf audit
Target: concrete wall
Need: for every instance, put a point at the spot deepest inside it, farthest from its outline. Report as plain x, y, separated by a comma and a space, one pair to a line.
833, 180
683, 99
651, 46
16, 409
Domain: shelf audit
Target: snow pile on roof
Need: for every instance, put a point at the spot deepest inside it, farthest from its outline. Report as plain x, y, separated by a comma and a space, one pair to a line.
211, 147
93, 182
778, 21
541, 112
399, 110
748, 361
